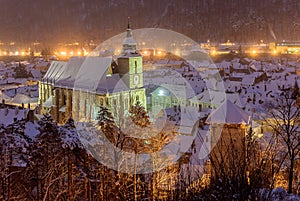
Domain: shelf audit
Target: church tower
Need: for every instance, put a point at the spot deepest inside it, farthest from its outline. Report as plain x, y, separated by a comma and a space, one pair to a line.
130, 62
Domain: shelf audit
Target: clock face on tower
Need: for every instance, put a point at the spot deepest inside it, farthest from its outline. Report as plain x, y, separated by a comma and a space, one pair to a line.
136, 79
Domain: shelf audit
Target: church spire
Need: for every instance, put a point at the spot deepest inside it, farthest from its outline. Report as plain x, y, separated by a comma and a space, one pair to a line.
128, 24
129, 44
129, 33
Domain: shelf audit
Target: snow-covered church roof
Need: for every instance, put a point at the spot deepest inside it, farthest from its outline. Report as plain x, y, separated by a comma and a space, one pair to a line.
54, 72
85, 73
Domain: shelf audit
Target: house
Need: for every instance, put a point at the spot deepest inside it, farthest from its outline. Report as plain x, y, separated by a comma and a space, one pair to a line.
228, 127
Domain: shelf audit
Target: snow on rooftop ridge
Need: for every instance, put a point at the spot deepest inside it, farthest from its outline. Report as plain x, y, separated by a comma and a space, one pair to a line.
228, 113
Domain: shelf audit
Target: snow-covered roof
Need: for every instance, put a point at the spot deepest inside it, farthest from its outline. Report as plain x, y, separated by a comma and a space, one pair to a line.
55, 71
48, 102
22, 98
248, 80
224, 64
8, 116
228, 113
90, 74
69, 72
42, 63
111, 84
36, 73
5, 97
85, 73
211, 97
177, 91
129, 40
235, 99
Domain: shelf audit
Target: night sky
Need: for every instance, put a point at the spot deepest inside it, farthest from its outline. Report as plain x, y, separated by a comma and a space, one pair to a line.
53, 22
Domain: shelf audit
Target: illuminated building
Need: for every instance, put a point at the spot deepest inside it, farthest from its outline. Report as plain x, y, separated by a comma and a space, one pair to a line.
288, 47
78, 87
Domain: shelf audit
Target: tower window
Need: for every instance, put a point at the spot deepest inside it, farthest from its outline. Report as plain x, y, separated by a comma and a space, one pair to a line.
135, 66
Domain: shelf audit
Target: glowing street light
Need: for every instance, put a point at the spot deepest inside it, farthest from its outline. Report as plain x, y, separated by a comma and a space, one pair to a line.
213, 52
63, 53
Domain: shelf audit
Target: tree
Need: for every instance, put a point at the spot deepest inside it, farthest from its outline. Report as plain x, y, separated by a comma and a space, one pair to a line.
13, 154
295, 91
58, 166
139, 115
284, 119
105, 118
21, 72
261, 157
228, 163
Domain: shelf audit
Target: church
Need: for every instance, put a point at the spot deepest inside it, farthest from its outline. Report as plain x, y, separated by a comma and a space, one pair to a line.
78, 88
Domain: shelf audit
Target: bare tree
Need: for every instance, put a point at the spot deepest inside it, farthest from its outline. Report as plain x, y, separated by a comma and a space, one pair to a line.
284, 119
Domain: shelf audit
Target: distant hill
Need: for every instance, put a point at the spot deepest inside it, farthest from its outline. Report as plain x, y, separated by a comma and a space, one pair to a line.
51, 21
